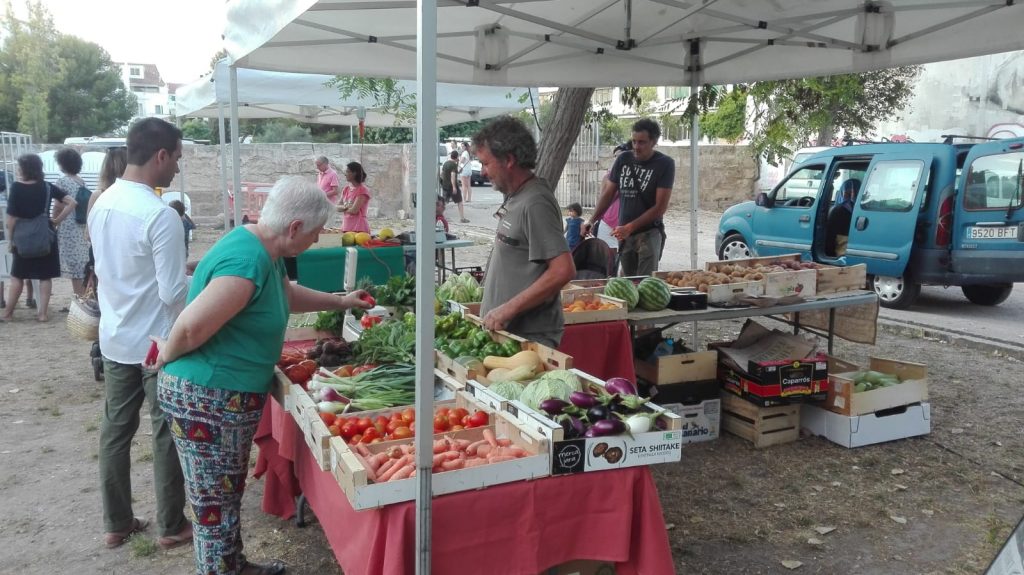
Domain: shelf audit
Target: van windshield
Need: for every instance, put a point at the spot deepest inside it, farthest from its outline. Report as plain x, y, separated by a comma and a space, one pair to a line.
993, 182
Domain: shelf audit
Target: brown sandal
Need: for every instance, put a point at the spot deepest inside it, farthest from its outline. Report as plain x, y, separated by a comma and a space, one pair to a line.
118, 538
183, 537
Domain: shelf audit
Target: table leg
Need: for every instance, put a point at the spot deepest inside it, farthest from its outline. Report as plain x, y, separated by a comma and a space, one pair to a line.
300, 510
831, 328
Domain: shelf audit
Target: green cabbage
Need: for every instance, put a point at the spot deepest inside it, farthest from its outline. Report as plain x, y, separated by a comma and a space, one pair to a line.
462, 288
507, 389
557, 383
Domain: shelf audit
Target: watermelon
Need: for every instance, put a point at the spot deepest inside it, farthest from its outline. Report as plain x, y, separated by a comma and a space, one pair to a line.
654, 294
623, 289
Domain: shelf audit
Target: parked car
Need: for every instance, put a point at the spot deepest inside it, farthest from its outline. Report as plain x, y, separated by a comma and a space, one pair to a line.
926, 214
478, 178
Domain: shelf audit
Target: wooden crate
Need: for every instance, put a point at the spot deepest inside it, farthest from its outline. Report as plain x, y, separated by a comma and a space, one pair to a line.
778, 284
350, 470
720, 293
551, 358
762, 426
913, 387
280, 387
679, 367
833, 279
592, 316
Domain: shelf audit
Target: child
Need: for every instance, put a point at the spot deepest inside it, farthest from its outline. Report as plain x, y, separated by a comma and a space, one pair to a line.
573, 225
439, 214
185, 221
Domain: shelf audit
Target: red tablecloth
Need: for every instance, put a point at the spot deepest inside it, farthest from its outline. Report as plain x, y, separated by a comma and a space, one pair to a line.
519, 528
601, 349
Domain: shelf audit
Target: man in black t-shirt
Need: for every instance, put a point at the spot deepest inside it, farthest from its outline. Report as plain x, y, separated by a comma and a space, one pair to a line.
643, 179
450, 183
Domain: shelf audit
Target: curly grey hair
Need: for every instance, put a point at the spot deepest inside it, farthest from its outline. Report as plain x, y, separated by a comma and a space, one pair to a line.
293, 198
506, 136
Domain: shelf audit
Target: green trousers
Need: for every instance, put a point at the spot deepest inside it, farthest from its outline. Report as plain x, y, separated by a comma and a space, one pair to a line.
127, 387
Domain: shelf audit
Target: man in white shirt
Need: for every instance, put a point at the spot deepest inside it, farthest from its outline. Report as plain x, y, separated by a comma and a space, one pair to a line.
140, 264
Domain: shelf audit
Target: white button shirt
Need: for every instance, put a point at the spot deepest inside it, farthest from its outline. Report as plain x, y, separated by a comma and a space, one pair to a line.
139, 244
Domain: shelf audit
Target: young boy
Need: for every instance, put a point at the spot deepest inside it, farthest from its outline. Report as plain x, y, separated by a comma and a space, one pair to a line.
439, 214
573, 225
185, 221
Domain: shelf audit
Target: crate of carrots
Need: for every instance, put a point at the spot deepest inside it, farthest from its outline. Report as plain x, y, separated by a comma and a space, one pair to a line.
376, 474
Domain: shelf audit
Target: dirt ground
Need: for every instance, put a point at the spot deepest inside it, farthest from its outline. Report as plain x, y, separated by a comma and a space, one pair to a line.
939, 504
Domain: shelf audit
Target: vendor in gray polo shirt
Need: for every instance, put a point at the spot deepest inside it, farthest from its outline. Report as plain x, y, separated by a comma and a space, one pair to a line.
530, 260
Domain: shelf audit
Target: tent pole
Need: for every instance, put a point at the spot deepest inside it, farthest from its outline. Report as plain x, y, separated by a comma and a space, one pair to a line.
694, 66
223, 166
426, 165
236, 172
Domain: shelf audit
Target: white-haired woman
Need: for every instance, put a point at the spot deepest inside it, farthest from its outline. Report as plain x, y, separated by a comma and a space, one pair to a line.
217, 362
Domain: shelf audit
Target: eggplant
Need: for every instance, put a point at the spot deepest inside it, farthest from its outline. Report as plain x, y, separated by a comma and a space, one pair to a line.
577, 424
583, 399
620, 385
567, 427
553, 406
598, 413
607, 427
591, 432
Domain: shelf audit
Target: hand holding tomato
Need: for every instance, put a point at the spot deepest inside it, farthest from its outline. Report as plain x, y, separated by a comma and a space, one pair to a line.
360, 299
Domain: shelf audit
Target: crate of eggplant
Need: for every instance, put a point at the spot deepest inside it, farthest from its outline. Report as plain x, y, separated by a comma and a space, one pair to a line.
595, 425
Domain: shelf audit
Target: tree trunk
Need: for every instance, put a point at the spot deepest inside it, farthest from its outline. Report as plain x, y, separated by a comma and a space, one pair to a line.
559, 136
826, 134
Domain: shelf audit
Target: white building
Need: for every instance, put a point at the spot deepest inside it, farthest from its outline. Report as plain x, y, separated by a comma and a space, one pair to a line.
155, 97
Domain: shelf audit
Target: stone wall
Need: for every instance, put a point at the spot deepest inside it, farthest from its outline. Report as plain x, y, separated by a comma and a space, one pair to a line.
726, 172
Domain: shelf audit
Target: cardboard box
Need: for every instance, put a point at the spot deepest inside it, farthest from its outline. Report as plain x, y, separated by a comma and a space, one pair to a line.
762, 426
842, 399
701, 421
600, 453
678, 367
870, 428
771, 367
687, 299
582, 567
350, 470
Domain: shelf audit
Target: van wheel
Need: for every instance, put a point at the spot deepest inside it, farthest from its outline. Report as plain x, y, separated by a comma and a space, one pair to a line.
895, 292
990, 294
734, 247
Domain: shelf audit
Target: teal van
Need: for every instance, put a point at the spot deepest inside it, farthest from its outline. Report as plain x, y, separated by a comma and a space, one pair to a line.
946, 214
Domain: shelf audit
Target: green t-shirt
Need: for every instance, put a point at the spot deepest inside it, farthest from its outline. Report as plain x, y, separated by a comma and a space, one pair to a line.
242, 354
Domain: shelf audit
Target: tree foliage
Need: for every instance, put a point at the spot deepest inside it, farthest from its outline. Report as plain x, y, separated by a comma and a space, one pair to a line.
787, 114
52, 85
91, 100
277, 131
197, 129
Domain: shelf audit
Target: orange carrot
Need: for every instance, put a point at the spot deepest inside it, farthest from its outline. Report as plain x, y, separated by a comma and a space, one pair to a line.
453, 464
361, 450
504, 442
377, 460
462, 444
404, 473
489, 436
471, 449
484, 450
440, 445
400, 463
439, 459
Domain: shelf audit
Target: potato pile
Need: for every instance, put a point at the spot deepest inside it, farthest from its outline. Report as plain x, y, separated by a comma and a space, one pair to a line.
722, 273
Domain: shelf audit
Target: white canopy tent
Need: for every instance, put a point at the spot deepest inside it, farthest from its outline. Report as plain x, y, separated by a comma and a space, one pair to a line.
307, 98
597, 43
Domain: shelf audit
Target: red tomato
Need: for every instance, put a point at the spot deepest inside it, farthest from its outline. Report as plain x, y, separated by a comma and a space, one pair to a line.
457, 428
402, 433
442, 411
340, 421
369, 435
381, 429
364, 423
328, 418
409, 414
478, 419
380, 419
334, 430
458, 414
395, 424
440, 424
368, 299
355, 439
350, 430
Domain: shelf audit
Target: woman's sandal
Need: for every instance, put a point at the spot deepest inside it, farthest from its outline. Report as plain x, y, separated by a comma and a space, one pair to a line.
168, 542
275, 567
118, 538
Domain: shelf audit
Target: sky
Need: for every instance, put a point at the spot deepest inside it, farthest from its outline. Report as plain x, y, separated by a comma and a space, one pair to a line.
180, 36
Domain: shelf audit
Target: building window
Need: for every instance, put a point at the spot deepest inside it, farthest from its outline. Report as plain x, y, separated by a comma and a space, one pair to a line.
142, 109
676, 92
135, 71
603, 97
158, 110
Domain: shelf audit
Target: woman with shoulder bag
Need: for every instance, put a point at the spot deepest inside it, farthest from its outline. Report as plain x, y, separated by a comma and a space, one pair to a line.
28, 207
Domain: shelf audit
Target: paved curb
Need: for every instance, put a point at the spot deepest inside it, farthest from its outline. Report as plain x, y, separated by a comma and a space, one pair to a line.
959, 339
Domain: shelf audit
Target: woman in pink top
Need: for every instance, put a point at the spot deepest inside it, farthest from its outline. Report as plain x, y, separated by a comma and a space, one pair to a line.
354, 200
